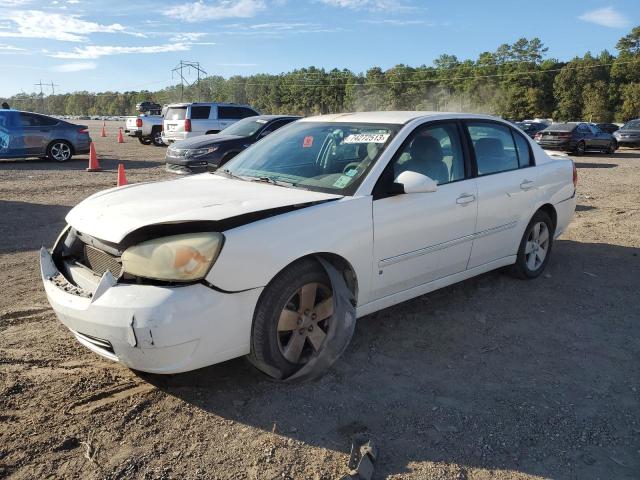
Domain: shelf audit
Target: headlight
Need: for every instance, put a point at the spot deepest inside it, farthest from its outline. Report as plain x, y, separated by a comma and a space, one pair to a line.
198, 152
179, 258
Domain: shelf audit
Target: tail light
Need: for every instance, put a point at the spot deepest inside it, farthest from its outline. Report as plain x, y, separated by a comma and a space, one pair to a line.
84, 130
575, 175
139, 122
564, 135
187, 125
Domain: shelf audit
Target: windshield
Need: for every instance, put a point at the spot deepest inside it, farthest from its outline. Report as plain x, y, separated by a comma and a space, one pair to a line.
245, 127
632, 125
327, 157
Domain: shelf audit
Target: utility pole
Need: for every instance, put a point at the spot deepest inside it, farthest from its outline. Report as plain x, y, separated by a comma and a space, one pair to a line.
189, 67
53, 91
41, 94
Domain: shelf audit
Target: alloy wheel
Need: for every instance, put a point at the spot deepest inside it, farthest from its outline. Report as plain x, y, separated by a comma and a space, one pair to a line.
304, 322
60, 152
537, 246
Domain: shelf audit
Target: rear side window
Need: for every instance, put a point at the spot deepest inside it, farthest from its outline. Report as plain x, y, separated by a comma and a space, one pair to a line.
31, 120
200, 112
522, 146
176, 113
235, 113
493, 146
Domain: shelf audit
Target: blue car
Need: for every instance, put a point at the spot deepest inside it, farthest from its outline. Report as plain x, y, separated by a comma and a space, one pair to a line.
26, 134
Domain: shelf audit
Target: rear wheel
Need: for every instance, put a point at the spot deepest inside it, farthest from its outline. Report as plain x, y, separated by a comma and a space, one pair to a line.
580, 148
59, 151
292, 319
156, 137
144, 140
535, 247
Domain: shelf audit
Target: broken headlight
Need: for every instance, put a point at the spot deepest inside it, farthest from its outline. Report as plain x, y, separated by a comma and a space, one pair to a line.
179, 258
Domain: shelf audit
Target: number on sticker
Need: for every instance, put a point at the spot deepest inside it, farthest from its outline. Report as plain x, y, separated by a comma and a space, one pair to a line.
367, 138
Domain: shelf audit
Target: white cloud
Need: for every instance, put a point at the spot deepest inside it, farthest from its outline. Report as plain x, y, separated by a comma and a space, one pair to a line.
10, 49
75, 67
187, 36
375, 5
201, 11
73, 2
97, 51
54, 26
15, 3
607, 17
398, 23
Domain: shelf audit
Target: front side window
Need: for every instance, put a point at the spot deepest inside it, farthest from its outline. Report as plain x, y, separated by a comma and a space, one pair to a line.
328, 157
200, 112
632, 125
494, 147
434, 151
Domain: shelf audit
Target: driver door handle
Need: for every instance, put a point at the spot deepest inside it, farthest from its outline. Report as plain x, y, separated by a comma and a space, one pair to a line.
465, 199
527, 184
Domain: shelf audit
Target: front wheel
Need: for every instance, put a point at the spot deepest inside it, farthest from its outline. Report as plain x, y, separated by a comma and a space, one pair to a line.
611, 149
535, 247
581, 148
144, 140
59, 151
292, 319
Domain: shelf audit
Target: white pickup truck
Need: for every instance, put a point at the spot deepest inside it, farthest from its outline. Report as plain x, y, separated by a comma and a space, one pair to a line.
147, 128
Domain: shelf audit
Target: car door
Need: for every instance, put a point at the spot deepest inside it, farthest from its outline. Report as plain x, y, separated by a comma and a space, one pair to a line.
199, 115
601, 139
584, 134
35, 134
506, 182
420, 237
227, 115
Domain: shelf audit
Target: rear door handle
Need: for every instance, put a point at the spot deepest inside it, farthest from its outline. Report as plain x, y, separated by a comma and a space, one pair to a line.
465, 199
527, 184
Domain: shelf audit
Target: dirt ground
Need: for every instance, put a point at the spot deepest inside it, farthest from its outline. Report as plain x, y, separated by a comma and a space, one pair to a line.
490, 378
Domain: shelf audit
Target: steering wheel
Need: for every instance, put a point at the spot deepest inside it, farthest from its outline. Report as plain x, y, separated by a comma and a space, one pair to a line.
351, 165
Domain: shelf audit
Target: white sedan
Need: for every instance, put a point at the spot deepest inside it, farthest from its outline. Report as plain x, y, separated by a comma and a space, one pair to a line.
326, 220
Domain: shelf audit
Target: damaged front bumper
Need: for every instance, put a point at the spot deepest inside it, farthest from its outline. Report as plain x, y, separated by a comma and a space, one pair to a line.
157, 329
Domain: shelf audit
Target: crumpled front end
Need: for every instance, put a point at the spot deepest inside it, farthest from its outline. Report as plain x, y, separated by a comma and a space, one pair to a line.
153, 328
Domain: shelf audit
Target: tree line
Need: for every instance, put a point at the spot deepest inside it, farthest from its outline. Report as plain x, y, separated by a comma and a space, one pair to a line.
516, 81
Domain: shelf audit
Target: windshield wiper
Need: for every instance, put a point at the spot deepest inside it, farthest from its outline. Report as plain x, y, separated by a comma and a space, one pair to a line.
273, 181
229, 174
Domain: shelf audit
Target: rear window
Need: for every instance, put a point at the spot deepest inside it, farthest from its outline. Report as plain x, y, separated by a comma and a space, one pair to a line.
176, 113
200, 112
561, 127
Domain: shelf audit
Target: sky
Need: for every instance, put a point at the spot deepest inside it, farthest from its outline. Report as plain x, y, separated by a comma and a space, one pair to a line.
133, 45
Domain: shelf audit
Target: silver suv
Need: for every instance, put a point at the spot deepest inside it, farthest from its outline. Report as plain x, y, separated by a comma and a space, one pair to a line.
184, 120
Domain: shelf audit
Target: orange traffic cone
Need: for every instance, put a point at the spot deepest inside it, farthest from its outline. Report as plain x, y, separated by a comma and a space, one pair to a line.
122, 178
120, 137
94, 166
104, 131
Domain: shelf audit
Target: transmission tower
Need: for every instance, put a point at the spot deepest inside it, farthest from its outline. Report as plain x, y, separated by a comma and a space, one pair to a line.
41, 94
189, 67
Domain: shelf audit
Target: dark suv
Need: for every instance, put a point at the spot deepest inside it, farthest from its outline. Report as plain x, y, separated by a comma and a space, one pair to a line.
26, 134
208, 152
577, 137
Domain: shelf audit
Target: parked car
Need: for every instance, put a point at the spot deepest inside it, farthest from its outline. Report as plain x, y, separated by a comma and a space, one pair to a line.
608, 127
208, 152
531, 128
576, 137
26, 134
275, 255
185, 120
629, 134
146, 128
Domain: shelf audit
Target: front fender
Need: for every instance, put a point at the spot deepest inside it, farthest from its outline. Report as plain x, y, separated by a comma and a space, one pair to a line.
254, 253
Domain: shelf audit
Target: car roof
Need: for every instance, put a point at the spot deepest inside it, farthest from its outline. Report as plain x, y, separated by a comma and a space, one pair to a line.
393, 117
272, 117
186, 104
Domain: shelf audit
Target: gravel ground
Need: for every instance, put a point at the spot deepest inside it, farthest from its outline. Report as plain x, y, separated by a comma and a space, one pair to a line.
490, 378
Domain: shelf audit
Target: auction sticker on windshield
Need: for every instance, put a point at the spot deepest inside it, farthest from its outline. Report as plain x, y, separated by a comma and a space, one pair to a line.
367, 138
307, 142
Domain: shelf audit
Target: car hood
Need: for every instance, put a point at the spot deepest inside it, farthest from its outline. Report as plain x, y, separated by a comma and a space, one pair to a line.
633, 131
112, 214
202, 141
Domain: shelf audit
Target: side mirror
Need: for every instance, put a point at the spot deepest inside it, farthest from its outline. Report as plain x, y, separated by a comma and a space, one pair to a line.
414, 182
